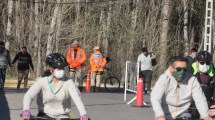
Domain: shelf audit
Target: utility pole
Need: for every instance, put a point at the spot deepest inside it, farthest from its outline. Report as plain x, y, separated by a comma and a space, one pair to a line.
208, 26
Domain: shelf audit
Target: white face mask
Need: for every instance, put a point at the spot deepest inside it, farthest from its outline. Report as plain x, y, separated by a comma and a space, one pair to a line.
59, 74
204, 68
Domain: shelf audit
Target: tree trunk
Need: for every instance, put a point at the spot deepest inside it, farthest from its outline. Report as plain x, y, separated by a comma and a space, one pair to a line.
191, 32
51, 31
186, 27
133, 27
17, 23
77, 6
58, 29
32, 22
36, 29
164, 35
9, 24
85, 25
101, 22
107, 29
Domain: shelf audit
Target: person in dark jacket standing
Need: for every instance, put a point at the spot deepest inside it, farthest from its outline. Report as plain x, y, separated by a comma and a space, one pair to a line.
4, 62
191, 59
24, 60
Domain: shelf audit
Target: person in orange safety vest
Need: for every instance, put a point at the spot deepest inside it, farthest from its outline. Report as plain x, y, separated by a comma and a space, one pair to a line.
97, 63
76, 57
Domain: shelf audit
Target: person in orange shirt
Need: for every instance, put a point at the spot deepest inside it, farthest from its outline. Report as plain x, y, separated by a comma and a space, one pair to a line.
97, 63
76, 57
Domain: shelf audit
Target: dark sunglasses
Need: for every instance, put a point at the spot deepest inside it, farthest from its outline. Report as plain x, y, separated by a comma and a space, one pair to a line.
180, 69
207, 63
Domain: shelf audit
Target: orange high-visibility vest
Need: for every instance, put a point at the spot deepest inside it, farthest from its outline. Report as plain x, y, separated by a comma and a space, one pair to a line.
97, 62
79, 60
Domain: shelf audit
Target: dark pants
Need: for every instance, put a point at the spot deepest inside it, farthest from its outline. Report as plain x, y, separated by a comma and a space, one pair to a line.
147, 77
2, 77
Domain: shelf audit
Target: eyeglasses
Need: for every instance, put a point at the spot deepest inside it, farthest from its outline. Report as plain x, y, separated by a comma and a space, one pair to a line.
207, 63
180, 69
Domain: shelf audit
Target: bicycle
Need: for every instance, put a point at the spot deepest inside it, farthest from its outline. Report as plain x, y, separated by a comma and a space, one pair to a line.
45, 118
111, 82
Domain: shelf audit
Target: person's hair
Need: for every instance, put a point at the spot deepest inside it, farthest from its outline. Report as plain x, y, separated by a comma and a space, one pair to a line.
46, 73
178, 58
24, 47
144, 49
2, 43
193, 50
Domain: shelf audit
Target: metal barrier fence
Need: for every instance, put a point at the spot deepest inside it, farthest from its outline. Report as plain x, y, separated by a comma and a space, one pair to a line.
131, 77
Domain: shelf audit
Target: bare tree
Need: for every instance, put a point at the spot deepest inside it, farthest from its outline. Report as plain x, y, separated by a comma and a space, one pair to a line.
101, 22
17, 23
164, 35
134, 14
58, 29
185, 3
9, 23
52, 26
107, 29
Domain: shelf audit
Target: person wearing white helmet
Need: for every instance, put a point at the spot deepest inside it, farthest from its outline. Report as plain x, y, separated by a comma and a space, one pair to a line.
76, 57
97, 63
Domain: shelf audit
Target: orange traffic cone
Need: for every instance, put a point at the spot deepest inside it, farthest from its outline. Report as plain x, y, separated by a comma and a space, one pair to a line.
87, 88
139, 95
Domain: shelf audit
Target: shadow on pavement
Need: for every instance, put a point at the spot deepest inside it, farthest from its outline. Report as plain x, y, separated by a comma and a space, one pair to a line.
4, 107
104, 104
11, 90
112, 90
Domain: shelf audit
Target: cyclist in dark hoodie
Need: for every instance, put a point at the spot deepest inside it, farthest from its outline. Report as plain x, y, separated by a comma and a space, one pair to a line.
24, 60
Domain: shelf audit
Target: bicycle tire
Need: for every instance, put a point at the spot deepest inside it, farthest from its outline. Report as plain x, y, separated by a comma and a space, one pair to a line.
112, 84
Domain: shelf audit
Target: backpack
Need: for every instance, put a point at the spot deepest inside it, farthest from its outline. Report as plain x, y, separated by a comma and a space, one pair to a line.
154, 62
108, 59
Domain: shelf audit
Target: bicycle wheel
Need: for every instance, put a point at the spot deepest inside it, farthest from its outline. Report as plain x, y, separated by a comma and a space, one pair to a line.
112, 84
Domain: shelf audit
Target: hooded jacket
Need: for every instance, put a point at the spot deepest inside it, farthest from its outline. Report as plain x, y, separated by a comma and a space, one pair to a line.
170, 98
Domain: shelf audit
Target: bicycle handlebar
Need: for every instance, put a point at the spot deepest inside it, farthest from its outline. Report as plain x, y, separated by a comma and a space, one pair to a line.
45, 118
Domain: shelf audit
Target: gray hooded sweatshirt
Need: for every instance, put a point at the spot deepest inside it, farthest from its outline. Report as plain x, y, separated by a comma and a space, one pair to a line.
170, 98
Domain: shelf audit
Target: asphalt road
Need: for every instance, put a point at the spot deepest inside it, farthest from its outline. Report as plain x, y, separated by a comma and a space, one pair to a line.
100, 106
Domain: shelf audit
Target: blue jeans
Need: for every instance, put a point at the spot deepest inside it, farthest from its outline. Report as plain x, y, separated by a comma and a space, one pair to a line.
2, 77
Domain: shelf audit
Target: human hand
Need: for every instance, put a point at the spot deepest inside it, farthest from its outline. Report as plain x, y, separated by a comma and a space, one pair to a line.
26, 114
84, 117
153, 57
207, 118
160, 118
78, 63
212, 111
98, 66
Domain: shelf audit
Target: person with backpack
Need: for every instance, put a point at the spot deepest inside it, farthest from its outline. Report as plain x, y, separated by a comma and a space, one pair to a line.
76, 57
24, 61
54, 92
191, 59
97, 64
4, 62
145, 61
